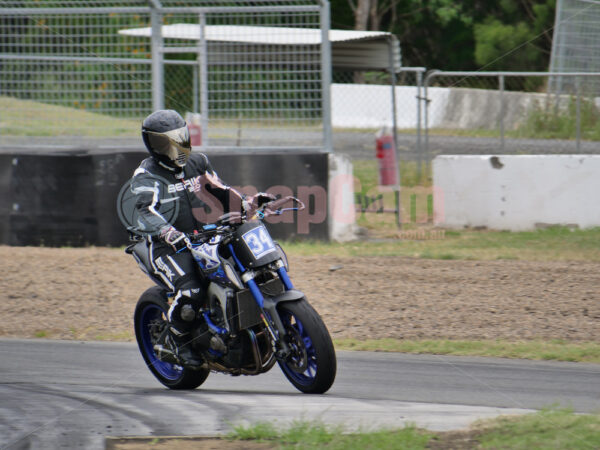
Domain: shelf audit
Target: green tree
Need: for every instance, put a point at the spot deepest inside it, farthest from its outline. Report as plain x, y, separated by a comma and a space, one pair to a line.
515, 36
450, 35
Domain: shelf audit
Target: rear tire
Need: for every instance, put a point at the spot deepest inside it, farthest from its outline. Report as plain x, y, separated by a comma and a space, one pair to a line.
149, 319
312, 366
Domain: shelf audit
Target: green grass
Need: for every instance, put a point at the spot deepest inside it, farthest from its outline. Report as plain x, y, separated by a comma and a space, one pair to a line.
550, 244
367, 174
561, 123
314, 435
555, 349
29, 118
547, 429
540, 123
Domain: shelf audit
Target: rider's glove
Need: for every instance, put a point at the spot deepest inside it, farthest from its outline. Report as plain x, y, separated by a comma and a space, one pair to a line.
252, 203
262, 197
174, 238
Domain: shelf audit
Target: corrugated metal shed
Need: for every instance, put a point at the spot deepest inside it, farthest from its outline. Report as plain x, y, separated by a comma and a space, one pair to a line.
351, 50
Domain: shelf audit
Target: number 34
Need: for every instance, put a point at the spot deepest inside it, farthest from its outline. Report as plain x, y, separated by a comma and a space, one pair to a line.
259, 242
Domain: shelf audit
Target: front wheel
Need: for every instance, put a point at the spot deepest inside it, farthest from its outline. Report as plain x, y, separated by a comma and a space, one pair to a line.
311, 367
150, 320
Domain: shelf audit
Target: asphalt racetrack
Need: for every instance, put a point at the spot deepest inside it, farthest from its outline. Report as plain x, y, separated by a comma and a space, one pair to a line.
71, 394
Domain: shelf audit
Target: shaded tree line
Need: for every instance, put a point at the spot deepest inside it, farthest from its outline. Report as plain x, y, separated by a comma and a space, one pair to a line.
469, 35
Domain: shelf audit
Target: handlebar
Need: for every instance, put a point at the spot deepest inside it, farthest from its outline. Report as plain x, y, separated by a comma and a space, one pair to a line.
274, 207
225, 224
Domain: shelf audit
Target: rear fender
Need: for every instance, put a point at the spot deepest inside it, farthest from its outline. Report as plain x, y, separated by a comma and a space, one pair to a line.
139, 251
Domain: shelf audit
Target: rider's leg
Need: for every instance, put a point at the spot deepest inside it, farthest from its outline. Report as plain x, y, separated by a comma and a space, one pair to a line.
178, 271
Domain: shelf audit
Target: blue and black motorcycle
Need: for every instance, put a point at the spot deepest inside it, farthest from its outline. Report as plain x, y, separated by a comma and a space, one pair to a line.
253, 311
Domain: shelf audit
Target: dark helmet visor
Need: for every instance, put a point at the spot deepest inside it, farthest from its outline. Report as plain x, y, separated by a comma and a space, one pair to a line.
174, 144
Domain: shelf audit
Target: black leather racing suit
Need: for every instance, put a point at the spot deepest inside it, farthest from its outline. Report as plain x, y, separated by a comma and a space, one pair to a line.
185, 199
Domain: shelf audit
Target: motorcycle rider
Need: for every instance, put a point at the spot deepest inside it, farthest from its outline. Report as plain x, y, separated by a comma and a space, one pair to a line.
173, 179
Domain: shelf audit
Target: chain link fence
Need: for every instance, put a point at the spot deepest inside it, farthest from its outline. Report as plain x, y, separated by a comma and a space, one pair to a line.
246, 72
511, 112
262, 77
574, 44
69, 74
482, 113
363, 103
256, 75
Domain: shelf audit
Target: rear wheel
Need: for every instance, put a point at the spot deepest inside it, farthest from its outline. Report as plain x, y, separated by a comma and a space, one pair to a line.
150, 320
311, 367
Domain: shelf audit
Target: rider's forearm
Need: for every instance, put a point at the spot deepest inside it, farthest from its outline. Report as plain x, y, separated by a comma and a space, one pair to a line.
150, 217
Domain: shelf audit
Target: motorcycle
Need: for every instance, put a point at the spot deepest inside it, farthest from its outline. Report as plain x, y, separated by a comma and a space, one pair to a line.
253, 314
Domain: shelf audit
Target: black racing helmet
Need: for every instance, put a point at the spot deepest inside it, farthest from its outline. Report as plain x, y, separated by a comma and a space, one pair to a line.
167, 137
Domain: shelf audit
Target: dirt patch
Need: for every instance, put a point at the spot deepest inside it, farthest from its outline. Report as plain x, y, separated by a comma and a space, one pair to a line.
183, 443
90, 293
455, 440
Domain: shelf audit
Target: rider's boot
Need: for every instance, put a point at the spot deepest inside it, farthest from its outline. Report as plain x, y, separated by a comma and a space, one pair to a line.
207, 340
182, 338
183, 348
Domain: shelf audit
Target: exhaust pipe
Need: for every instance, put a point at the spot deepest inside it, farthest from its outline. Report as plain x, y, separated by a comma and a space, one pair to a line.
165, 355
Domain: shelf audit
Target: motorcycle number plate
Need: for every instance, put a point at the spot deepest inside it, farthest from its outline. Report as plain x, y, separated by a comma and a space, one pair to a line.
259, 242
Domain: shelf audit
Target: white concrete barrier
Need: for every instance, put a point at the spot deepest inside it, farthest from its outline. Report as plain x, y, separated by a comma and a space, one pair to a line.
342, 215
370, 106
516, 192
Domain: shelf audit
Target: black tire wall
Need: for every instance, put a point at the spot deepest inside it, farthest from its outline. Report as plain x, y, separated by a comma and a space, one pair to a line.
69, 198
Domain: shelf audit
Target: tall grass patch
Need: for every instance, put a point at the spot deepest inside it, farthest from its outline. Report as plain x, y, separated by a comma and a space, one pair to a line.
554, 349
551, 244
311, 435
548, 429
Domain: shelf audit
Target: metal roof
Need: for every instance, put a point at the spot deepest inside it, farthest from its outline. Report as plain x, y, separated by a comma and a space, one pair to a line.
351, 50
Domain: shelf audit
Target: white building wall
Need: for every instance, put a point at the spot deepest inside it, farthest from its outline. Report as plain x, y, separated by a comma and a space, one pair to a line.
516, 192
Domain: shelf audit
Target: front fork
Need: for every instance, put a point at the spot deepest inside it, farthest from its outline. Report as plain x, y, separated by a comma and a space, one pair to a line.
269, 316
268, 313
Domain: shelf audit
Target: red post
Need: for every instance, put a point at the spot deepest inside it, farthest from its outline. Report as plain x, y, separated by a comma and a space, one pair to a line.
195, 126
386, 155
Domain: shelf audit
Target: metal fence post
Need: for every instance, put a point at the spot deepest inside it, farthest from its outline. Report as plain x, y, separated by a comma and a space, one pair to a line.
326, 76
426, 117
428, 77
195, 89
395, 137
578, 112
501, 118
392, 70
203, 63
158, 97
419, 150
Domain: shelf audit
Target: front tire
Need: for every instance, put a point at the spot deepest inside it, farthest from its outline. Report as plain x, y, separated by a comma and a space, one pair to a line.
312, 366
150, 318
